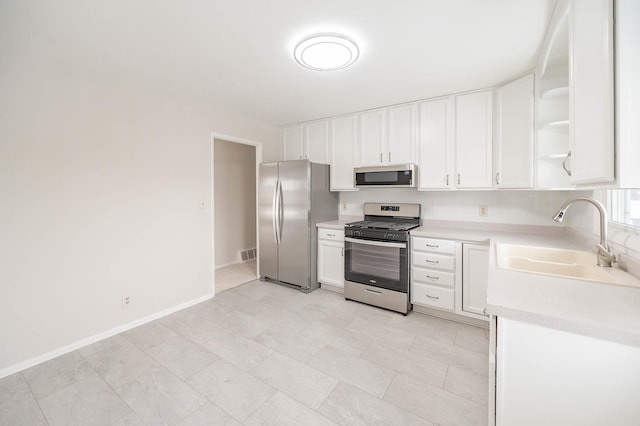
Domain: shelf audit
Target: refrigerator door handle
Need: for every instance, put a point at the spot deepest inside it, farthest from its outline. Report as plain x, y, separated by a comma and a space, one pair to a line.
280, 211
274, 215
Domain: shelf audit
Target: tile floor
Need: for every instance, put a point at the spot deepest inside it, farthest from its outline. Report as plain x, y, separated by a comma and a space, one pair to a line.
263, 354
234, 275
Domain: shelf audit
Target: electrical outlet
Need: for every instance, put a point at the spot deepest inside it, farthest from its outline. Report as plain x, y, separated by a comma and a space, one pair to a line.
344, 206
483, 211
202, 204
126, 301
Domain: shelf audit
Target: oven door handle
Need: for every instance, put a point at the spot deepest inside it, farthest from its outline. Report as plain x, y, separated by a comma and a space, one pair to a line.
375, 243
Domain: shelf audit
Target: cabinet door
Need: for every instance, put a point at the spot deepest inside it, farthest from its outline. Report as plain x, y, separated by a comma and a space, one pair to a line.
342, 150
371, 138
401, 135
331, 263
514, 134
591, 91
435, 148
292, 143
316, 138
475, 267
473, 137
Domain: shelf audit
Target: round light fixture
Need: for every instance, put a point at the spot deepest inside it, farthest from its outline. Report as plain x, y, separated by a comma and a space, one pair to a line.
326, 52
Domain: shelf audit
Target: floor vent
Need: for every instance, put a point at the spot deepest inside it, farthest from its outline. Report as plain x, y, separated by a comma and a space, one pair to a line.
248, 254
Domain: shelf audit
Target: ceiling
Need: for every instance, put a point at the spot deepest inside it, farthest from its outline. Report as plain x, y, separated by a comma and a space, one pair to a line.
237, 54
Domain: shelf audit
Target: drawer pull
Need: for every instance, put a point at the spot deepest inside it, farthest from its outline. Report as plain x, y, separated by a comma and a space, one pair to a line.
377, 293
433, 278
433, 297
432, 261
432, 245
331, 235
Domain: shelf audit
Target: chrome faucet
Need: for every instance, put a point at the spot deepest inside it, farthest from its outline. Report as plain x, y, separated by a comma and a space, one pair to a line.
605, 257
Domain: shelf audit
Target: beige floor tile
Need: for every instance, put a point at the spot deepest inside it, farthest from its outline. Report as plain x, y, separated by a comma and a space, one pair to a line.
300, 382
182, 357
339, 337
474, 387
354, 370
209, 414
121, 363
159, 397
87, 402
281, 410
406, 362
234, 275
348, 405
18, 406
51, 376
232, 389
149, 335
290, 343
451, 354
240, 351
382, 333
434, 404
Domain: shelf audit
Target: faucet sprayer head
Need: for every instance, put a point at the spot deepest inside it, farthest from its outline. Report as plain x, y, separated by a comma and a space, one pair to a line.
559, 217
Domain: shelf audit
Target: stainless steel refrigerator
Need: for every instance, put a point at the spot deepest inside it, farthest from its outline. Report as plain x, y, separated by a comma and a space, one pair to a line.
292, 197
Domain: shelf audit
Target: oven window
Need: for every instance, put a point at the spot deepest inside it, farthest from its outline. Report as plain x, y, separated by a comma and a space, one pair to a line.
382, 262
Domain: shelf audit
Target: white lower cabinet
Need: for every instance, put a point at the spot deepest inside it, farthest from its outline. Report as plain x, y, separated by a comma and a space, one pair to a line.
475, 268
546, 376
433, 273
449, 275
331, 259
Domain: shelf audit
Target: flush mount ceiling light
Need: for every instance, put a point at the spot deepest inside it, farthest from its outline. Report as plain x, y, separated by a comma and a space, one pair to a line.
326, 52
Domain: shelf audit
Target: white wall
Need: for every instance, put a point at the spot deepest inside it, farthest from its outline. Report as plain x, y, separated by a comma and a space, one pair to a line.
100, 186
235, 200
512, 207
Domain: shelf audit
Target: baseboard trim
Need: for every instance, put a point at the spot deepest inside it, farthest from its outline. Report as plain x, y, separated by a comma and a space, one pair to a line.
16, 368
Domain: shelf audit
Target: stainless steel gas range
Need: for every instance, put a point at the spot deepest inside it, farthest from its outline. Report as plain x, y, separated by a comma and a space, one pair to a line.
376, 261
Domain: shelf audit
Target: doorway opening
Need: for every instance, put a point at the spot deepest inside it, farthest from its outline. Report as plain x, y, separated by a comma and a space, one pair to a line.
235, 164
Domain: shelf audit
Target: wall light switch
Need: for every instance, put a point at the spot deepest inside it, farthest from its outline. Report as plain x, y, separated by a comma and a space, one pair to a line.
202, 204
483, 211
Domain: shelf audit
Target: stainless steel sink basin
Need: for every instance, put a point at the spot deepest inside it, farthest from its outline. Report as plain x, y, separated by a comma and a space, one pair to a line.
574, 264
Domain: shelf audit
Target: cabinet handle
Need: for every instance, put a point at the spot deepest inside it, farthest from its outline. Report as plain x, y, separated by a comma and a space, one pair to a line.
498, 178
484, 311
564, 163
432, 261
381, 157
433, 297
331, 235
458, 178
389, 157
447, 180
342, 252
432, 245
432, 278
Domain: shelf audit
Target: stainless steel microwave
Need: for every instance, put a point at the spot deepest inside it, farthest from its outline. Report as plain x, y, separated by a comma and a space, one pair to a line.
396, 176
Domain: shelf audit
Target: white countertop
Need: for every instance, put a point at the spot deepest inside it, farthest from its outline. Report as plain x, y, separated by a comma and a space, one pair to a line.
604, 311
339, 223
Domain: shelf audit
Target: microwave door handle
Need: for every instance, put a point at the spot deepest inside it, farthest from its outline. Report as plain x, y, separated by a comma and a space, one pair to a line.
375, 243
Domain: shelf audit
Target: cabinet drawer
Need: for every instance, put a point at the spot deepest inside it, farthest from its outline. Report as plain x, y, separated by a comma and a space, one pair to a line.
432, 276
433, 245
433, 261
330, 234
436, 297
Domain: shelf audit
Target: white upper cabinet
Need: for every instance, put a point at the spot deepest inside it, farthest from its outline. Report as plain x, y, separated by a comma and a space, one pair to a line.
627, 107
309, 141
591, 91
316, 137
293, 143
401, 130
435, 145
387, 136
473, 139
513, 149
342, 146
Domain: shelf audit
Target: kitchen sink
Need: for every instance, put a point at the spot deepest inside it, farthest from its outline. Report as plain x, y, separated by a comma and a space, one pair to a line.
574, 264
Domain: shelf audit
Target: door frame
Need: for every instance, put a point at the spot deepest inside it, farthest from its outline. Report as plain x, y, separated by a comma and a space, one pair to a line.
258, 147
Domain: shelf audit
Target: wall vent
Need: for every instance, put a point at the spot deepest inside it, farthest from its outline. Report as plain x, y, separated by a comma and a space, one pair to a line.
249, 254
